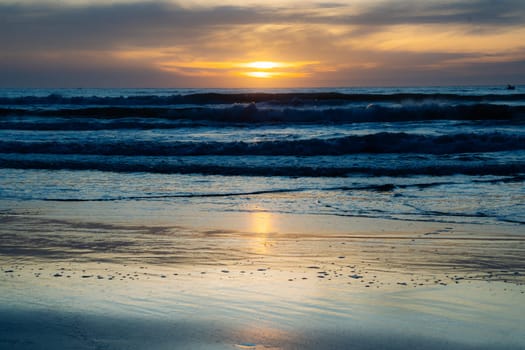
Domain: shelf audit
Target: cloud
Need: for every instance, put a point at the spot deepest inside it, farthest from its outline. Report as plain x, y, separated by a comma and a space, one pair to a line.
102, 26
132, 42
476, 12
34, 26
51, 26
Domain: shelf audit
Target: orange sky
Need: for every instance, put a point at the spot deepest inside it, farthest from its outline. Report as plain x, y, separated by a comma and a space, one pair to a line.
251, 43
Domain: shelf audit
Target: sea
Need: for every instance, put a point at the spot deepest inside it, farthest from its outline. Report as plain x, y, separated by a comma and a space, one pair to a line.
411, 154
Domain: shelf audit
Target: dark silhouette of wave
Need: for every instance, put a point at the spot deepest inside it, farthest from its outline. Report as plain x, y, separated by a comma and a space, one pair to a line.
382, 142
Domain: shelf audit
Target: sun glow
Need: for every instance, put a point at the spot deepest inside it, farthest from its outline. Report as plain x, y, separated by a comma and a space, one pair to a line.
260, 74
263, 70
264, 65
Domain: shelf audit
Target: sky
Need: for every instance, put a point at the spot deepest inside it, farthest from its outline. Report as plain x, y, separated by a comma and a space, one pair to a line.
261, 43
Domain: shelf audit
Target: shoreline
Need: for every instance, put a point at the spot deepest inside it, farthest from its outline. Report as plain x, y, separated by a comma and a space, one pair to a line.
432, 251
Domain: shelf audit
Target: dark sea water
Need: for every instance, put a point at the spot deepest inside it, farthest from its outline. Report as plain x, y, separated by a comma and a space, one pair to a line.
452, 154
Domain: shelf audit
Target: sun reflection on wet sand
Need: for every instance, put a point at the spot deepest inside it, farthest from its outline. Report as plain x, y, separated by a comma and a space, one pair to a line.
261, 224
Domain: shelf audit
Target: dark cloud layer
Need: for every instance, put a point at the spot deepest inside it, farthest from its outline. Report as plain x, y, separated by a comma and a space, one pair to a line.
148, 24
152, 24
476, 12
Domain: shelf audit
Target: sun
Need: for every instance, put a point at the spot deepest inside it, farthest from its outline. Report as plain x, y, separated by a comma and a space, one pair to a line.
273, 69
260, 74
263, 69
263, 65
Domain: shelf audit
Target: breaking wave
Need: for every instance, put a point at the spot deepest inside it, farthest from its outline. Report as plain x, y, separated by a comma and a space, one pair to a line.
383, 142
252, 113
295, 98
320, 166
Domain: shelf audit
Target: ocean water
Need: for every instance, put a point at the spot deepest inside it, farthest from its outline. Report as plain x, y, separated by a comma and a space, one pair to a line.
451, 154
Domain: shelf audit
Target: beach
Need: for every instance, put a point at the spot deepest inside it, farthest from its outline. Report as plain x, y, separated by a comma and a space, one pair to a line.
255, 281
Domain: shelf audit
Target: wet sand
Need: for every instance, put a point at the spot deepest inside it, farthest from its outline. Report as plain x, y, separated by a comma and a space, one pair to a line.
257, 280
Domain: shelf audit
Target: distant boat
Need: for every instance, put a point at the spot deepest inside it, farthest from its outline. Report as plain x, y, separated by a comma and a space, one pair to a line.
511, 87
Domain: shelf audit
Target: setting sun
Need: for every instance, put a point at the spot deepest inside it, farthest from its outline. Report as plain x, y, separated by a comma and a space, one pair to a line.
264, 65
281, 71
260, 74
263, 69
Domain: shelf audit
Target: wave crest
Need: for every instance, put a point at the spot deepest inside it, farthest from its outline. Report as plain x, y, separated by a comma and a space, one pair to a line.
382, 142
252, 113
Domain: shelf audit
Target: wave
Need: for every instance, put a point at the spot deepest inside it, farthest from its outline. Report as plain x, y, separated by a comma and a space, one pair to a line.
292, 98
180, 195
275, 167
387, 187
252, 113
86, 124
382, 142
